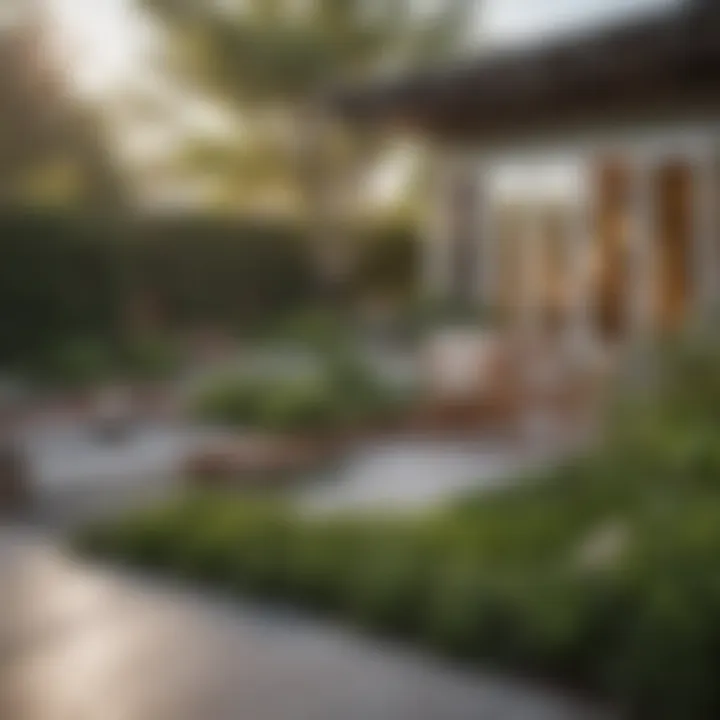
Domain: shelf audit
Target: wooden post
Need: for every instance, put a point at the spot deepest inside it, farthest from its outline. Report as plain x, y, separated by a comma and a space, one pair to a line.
581, 238
488, 257
642, 255
705, 251
437, 278
531, 259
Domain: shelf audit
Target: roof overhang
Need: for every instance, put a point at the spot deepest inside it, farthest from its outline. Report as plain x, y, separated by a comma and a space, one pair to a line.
656, 68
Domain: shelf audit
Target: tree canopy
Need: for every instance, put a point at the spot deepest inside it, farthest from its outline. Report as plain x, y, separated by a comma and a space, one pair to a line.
262, 60
52, 148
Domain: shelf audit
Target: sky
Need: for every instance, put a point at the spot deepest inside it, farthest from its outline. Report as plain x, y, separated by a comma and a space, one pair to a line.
516, 20
106, 39
105, 42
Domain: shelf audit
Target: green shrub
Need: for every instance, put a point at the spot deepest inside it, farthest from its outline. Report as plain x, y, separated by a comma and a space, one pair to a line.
84, 362
317, 329
78, 363
322, 561
298, 406
390, 581
666, 650
235, 401
343, 394
259, 556
153, 358
277, 405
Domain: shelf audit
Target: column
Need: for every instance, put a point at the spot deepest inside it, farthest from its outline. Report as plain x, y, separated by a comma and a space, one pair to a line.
327, 195
705, 255
641, 253
437, 275
488, 256
531, 252
453, 255
465, 209
581, 238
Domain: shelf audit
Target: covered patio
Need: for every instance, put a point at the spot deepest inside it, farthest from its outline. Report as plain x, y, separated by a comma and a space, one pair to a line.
576, 189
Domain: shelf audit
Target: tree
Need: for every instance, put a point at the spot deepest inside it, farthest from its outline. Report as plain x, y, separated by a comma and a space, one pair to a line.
261, 60
52, 148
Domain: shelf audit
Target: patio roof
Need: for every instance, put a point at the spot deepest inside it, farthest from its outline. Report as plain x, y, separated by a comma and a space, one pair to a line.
659, 66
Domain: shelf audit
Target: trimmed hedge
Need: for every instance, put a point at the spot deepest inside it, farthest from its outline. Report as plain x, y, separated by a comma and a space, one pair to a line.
68, 276
83, 277
58, 280
523, 580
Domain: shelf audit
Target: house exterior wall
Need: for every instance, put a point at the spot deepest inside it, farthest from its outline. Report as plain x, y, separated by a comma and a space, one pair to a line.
613, 231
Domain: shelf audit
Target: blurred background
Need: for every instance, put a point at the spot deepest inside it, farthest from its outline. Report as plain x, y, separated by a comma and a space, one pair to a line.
220, 366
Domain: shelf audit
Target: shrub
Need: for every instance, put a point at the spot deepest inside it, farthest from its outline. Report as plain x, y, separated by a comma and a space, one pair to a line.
318, 329
390, 580
298, 406
322, 561
77, 363
153, 358
234, 401
666, 648
344, 394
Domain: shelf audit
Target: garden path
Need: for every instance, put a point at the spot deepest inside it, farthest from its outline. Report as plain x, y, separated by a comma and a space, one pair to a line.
87, 643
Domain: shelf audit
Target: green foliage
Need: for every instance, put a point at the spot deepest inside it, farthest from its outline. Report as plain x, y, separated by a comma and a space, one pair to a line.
78, 363
149, 358
319, 329
391, 579
235, 401
270, 404
85, 362
299, 405
343, 394
57, 274
511, 579
69, 280
236, 274
321, 562
388, 263
264, 60
53, 152
68, 277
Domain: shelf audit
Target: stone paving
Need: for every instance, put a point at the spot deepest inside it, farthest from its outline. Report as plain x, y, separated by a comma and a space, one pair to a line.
77, 477
86, 643
79, 642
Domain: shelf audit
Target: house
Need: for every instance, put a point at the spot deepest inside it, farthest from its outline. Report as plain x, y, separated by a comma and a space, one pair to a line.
577, 183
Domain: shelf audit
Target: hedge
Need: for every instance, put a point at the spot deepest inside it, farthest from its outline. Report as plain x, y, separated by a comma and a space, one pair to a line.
83, 277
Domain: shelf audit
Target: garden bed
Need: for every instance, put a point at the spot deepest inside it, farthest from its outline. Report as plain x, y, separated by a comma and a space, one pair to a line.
602, 575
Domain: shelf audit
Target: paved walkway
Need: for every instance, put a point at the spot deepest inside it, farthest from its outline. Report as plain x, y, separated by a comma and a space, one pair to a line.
81, 643
78, 477
414, 474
